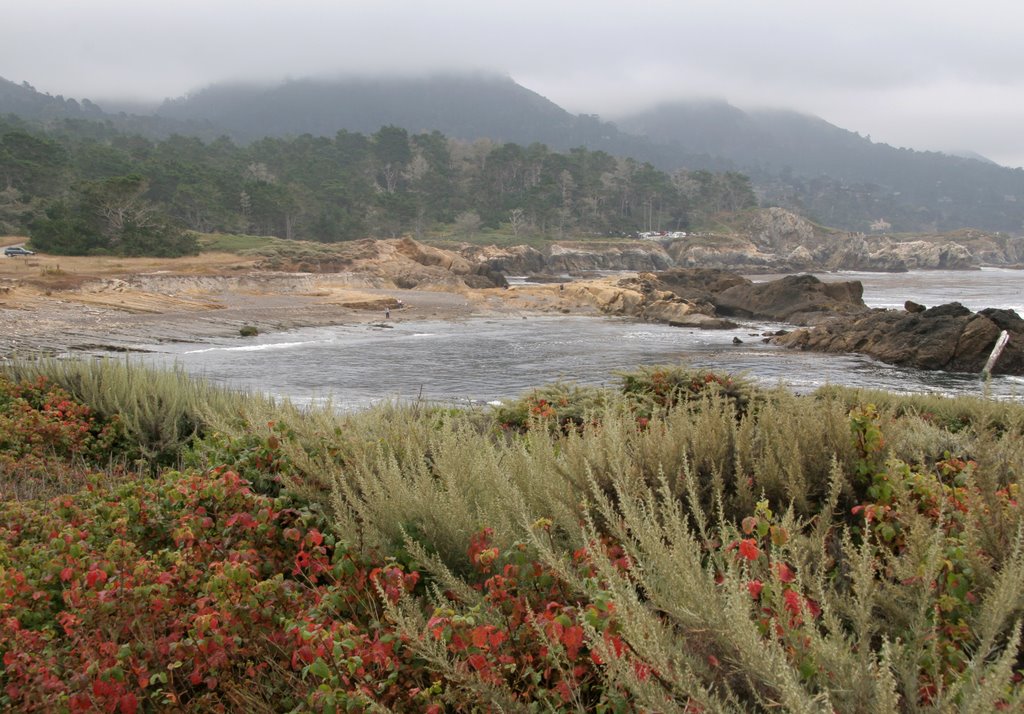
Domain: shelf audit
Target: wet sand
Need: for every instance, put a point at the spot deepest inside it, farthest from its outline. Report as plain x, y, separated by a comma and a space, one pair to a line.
119, 318
59, 304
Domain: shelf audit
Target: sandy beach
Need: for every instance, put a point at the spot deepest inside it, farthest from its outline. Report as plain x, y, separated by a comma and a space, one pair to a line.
56, 305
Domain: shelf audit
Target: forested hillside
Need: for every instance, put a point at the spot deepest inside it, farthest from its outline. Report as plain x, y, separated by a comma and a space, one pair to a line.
827, 173
833, 176
82, 187
461, 107
839, 177
26, 102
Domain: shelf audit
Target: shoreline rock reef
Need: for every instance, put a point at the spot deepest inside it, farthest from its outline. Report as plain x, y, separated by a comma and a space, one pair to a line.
831, 317
53, 304
771, 240
711, 298
947, 337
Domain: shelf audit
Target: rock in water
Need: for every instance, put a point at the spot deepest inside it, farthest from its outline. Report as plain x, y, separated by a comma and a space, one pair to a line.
947, 337
801, 299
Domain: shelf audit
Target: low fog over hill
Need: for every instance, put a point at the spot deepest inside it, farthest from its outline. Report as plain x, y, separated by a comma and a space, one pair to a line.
832, 175
798, 161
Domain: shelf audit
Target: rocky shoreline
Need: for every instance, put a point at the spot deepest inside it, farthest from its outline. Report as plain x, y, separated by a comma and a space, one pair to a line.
946, 337
832, 316
773, 240
68, 325
50, 309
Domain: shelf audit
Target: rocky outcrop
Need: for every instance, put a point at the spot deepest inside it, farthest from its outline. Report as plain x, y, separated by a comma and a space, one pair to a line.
984, 248
727, 253
799, 299
948, 337
513, 260
483, 277
429, 256
770, 240
646, 298
856, 254
776, 230
572, 258
698, 284
404, 264
706, 298
882, 254
682, 314
923, 255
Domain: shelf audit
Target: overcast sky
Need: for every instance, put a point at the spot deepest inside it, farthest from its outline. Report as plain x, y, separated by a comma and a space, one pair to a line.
925, 74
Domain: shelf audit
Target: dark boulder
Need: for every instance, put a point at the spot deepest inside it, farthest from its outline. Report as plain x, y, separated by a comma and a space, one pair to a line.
482, 277
800, 299
698, 284
949, 309
946, 337
1007, 320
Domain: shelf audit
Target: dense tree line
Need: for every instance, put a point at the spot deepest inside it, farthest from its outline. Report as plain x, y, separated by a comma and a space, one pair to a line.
83, 187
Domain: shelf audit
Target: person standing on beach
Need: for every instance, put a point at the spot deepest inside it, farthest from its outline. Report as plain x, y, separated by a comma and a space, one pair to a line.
387, 313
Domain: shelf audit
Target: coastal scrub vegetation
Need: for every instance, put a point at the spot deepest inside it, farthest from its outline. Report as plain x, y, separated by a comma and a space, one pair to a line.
81, 188
686, 542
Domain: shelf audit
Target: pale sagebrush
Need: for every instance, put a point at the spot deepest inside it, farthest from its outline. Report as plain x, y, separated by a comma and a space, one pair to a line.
684, 605
462, 483
161, 410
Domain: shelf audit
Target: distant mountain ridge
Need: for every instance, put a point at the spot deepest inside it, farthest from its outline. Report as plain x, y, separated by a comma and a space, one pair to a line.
26, 102
836, 176
467, 107
800, 162
801, 143
797, 161
462, 106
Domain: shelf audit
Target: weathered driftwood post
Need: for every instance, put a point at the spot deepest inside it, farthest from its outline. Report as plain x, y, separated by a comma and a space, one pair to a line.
1004, 337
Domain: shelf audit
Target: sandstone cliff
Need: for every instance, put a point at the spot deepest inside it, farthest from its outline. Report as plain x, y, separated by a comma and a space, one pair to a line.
646, 297
403, 263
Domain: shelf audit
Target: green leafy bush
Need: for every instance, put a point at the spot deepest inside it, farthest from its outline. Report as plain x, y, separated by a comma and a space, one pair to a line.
664, 386
556, 406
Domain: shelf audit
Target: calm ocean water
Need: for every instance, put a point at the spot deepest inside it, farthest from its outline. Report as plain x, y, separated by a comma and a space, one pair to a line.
482, 360
977, 289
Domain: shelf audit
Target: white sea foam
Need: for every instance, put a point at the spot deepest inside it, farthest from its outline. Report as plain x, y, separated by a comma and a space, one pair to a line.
253, 348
